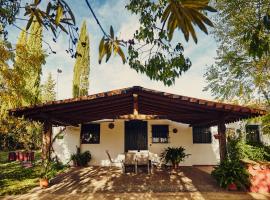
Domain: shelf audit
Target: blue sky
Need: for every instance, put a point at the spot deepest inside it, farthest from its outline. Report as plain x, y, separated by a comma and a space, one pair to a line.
114, 74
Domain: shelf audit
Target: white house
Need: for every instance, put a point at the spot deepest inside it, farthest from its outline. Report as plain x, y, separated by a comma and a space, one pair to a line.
137, 118
156, 135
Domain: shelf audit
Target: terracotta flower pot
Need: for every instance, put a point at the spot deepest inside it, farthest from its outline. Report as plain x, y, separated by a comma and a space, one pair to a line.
44, 182
232, 187
175, 165
217, 136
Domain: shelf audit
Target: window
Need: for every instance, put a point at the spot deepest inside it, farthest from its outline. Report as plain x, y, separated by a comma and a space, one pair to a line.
202, 135
252, 133
90, 134
160, 133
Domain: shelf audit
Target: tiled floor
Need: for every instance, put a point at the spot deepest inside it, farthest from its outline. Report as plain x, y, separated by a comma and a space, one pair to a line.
109, 183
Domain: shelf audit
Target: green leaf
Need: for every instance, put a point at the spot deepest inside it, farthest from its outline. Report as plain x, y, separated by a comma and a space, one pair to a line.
29, 22
101, 50
49, 7
59, 14
37, 2
122, 55
111, 32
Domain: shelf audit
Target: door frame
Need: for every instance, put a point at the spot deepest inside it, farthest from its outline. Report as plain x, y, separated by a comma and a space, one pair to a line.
125, 132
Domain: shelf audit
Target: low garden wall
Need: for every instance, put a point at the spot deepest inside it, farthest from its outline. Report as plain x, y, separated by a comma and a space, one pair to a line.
260, 176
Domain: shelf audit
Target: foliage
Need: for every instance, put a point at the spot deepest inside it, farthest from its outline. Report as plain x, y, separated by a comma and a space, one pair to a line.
48, 89
175, 155
82, 64
238, 149
56, 16
183, 14
15, 179
151, 51
51, 168
8, 12
110, 45
34, 49
231, 171
20, 87
239, 75
81, 159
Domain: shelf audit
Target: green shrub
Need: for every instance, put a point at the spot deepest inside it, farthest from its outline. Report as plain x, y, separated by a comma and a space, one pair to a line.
175, 155
239, 149
228, 172
81, 159
51, 169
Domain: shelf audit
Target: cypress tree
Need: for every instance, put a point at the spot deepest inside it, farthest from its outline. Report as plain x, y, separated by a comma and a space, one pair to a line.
20, 70
34, 48
82, 64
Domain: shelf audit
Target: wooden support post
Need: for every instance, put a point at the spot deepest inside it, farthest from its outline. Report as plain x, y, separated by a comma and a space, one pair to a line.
135, 105
222, 140
46, 141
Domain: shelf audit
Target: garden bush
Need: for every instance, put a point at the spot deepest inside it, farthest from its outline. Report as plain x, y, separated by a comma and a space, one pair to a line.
228, 172
238, 149
81, 159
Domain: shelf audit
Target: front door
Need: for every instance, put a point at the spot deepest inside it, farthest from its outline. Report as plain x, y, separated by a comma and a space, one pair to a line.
135, 135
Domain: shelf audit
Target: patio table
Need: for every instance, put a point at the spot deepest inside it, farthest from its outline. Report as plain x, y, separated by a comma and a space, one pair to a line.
143, 157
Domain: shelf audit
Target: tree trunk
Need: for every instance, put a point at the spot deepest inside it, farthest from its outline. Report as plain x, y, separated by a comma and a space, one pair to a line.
46, 141
222, 140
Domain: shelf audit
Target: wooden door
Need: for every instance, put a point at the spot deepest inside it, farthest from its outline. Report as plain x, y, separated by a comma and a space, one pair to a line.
135, 135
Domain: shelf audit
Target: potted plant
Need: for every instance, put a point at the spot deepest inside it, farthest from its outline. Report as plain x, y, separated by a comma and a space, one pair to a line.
81, 159
175, 155
74, 159
44, 178
217, 136
231, 175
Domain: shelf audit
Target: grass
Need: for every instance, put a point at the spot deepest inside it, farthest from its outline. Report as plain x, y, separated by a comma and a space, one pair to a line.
15, 179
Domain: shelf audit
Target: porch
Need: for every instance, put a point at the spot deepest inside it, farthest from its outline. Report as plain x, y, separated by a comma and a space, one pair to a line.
136, 103
96, 179
109, 183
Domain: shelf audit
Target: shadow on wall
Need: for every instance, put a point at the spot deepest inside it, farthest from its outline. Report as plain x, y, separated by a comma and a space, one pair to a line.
65, 146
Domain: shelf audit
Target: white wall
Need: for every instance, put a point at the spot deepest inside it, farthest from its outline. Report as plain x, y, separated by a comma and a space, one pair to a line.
110, 139
201, 154
113, 140
65, 147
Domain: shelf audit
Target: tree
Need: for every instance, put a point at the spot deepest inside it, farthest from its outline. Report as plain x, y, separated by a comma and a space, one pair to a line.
151, 50
48, 89
34, 48
82, 64
242, 71
19, 86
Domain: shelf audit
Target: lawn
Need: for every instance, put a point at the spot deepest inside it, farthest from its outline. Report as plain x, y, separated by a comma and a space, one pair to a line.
15, 179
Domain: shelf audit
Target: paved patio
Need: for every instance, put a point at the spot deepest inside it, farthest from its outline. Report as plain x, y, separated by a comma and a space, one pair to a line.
109, 183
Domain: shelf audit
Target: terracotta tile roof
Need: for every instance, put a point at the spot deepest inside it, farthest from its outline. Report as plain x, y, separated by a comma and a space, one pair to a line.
115, 103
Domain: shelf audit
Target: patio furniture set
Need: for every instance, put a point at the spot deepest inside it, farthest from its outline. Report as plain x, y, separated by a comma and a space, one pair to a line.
135, 159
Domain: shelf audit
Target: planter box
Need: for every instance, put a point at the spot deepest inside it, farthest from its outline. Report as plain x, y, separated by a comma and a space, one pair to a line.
21, 156
260, 176
12, 156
